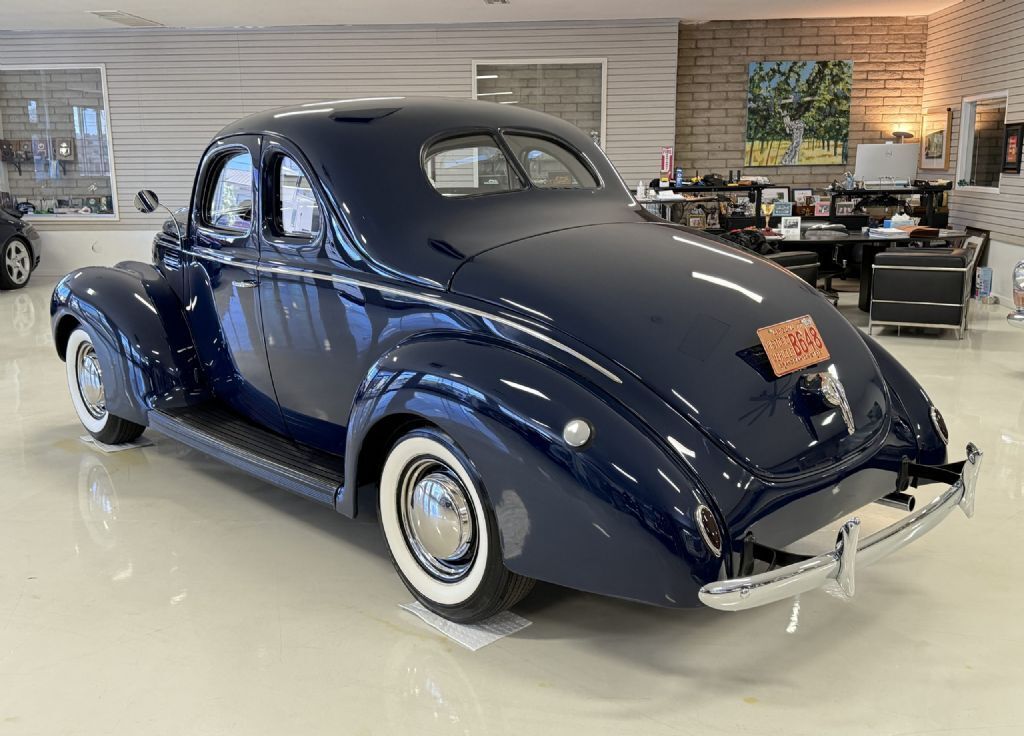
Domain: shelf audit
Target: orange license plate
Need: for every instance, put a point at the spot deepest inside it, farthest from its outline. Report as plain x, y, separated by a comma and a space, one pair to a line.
793, 344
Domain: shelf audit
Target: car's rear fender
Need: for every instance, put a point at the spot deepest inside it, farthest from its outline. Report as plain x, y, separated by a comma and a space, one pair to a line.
915, 402
615, 517
141, 337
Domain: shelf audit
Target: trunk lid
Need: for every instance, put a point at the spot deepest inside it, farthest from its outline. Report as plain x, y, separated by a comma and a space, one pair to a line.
681, 311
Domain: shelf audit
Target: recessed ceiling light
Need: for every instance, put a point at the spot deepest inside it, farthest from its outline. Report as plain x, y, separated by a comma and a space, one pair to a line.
496, 2
125, 19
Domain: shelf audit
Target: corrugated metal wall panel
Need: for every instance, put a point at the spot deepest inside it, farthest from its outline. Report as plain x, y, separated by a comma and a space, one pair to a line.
170, 91
974, 47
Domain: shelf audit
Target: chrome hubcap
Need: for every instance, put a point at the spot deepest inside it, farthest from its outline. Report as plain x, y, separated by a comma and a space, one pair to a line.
90, 381
16, 262
437, 519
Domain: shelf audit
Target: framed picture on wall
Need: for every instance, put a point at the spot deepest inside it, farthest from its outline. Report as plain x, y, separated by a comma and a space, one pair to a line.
1011, 148
936, 133
775, 194
844, 209
803, 197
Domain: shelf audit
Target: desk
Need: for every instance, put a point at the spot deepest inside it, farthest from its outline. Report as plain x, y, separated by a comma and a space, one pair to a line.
665, 205
700, 190
930, 195
871, 246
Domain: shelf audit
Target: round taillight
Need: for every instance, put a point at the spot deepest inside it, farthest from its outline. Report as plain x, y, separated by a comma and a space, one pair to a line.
709, 530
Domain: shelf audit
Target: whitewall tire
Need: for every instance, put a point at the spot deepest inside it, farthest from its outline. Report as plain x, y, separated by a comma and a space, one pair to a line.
440, 531
88, 394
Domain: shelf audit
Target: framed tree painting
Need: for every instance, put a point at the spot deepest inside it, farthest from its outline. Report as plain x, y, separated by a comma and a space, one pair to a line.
798, 113
935, 134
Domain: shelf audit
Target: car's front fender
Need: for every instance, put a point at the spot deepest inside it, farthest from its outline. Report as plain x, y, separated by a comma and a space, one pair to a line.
614, 517
143, 343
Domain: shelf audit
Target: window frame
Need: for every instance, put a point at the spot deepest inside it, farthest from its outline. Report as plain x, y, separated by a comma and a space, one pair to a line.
212, 168
546, 136
115, 216
499, 143
272, 231
965, 141
602, 60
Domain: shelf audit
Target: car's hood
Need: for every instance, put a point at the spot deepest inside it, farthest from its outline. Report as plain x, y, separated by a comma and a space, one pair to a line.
681, 312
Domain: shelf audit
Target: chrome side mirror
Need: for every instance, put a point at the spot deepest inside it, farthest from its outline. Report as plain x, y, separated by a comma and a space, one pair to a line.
146, 201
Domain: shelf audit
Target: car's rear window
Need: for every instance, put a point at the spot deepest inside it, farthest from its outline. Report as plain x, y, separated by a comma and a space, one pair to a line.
550, 165
469, 165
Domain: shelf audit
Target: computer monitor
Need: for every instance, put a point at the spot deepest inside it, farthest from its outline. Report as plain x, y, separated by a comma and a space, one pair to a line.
884, 162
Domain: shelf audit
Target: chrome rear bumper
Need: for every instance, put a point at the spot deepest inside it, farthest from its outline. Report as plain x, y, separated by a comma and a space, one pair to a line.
837, 567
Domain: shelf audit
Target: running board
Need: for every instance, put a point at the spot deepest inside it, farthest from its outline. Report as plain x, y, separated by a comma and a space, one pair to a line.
219, 432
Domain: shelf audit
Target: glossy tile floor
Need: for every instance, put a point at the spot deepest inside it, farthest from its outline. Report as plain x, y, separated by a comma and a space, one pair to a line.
155, 591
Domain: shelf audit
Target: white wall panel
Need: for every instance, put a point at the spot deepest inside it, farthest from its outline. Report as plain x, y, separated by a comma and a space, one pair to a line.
975, 47
171, 90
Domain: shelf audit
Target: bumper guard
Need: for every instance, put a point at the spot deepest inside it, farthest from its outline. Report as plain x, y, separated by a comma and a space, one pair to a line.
837, 567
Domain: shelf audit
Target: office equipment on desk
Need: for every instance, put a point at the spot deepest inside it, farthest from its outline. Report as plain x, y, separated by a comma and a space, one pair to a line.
887, 164
888, 233
930, 194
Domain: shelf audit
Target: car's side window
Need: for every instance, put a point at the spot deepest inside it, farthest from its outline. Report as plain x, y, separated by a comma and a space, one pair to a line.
296, 211
468, 165
228, 199
550, 165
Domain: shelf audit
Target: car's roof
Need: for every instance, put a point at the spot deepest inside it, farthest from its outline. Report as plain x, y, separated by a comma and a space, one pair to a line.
424, 114
367, 151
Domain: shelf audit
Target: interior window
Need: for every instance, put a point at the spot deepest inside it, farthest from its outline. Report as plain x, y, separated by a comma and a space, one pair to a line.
469, 165
550, 165
298, 214
983, 125
229, 198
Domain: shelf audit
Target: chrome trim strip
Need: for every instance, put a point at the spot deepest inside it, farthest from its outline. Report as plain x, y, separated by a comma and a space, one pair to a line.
927, 304
920, 268
300, 273
838, 566
212, 255
875, 323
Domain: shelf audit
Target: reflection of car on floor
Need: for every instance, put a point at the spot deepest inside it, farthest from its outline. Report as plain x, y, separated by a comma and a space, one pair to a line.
20, 250
527, 374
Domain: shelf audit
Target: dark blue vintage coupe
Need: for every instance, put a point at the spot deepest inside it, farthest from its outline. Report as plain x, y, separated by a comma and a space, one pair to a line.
456, 312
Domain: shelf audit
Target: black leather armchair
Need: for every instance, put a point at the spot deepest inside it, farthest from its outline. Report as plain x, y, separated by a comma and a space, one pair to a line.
922, 287
803, 263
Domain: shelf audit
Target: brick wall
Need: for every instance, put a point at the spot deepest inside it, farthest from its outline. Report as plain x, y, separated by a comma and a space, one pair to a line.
888, 78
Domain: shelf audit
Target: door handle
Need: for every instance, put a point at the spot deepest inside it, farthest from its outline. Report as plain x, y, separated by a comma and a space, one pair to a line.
246, 284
